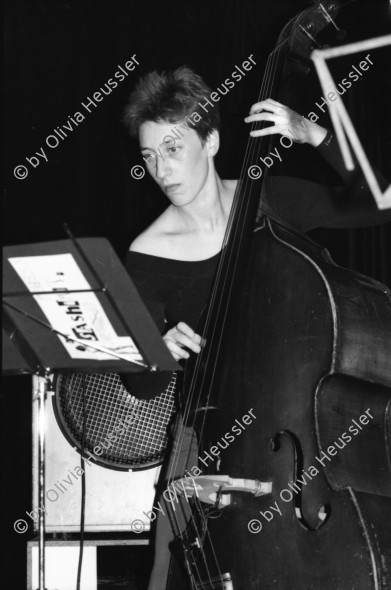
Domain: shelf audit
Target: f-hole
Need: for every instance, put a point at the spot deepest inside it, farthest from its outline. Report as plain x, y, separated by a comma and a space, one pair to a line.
324, 510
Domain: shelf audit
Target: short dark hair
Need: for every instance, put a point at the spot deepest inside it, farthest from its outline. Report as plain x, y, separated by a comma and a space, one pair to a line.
171, 96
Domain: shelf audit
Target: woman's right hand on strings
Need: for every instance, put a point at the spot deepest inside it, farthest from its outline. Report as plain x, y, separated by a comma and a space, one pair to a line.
180, 338
286, 122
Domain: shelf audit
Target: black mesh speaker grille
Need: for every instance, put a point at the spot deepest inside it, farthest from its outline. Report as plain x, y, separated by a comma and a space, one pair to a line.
131, 433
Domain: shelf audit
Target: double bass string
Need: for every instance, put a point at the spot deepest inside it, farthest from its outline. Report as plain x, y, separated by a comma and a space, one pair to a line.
236, 209
234, 232
239, 210
237, 204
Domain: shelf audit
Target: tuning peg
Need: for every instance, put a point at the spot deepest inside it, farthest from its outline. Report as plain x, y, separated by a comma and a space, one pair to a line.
326, 12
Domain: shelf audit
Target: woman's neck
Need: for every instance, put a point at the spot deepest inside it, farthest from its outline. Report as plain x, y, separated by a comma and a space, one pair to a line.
210, 210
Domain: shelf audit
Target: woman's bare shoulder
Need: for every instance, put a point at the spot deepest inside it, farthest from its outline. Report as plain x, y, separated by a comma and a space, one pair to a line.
151, 240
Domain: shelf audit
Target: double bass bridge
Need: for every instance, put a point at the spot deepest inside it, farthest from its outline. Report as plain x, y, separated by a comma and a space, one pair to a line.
216, 489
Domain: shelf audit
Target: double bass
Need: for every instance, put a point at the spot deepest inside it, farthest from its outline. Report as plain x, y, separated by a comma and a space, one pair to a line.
291, 400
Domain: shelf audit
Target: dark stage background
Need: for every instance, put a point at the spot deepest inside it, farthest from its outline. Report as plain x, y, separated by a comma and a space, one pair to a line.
57, 54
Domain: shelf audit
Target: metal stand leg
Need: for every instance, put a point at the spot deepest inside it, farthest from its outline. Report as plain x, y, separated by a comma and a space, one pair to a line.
43, 387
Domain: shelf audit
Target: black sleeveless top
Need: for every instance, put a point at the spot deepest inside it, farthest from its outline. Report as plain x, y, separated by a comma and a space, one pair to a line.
173, 291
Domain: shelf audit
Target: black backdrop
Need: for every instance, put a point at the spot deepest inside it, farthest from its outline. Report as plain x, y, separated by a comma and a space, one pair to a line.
58, 53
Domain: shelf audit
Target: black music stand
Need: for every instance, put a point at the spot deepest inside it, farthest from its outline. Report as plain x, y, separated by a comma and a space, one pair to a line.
70, 305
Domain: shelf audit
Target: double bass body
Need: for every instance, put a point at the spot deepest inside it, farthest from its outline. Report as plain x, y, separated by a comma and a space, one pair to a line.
307, 347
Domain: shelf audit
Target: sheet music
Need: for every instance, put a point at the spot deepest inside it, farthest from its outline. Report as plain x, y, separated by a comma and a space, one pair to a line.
79, 315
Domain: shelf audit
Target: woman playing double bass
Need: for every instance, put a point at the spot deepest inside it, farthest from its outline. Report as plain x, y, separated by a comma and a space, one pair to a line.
173, 262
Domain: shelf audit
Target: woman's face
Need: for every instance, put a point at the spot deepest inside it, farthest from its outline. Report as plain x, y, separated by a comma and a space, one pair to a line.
180, 166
